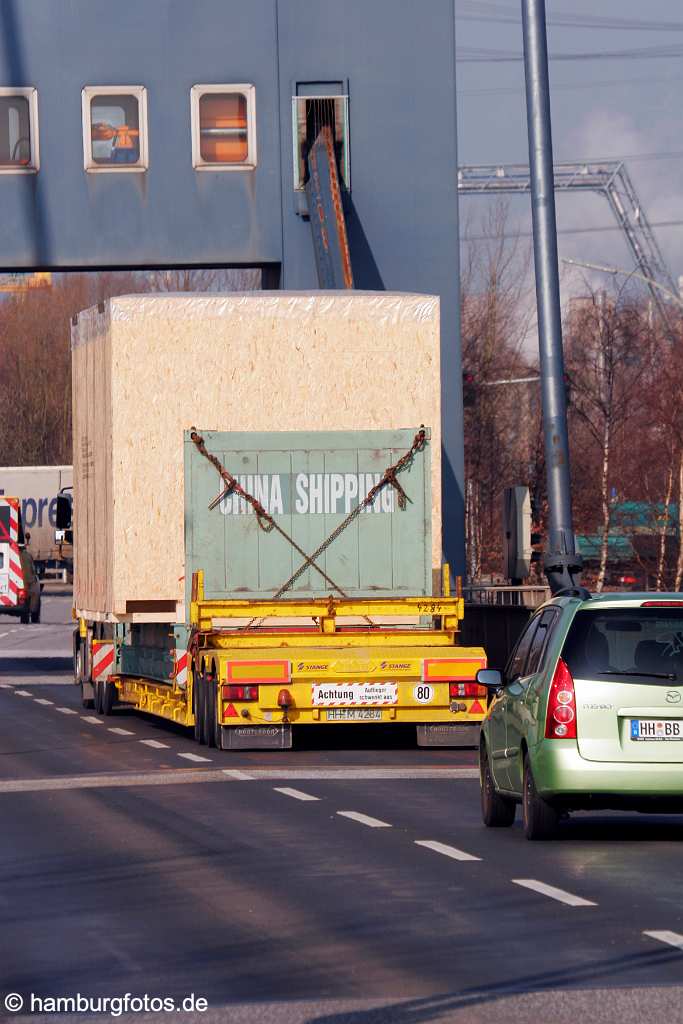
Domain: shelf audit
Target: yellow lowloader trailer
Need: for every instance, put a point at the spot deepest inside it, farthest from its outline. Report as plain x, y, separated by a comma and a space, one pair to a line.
243, 671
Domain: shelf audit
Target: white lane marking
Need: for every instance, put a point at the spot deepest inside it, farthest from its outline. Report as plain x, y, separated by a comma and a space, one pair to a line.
67, 711
92, 719
23, 693
363, 773
555, 894
364, 819
121, 732
42, 700
671, 938
194, 757
235, 773
295, 793
5, 686
3, 634
447, 851
155, 744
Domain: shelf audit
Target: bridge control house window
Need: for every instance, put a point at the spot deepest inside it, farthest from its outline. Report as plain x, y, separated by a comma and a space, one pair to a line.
223, 127
18, 131
115, 128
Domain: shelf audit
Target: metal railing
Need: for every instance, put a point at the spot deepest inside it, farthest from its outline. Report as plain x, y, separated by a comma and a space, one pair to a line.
492, 594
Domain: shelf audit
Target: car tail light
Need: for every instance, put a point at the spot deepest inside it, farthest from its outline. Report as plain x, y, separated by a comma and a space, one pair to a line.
22, 596
466, 690
233, 692
661, 604
560, 721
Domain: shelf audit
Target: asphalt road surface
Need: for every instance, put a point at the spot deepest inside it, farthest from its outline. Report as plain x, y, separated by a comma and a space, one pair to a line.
353, 885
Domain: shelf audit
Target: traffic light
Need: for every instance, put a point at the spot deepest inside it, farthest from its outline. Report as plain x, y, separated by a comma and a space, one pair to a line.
536, 542
469, 389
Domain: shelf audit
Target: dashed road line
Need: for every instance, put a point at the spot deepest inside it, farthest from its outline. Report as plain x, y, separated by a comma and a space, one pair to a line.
42, 700
296, 794
235, 773
156, 744
364, 819
362, 773
194, 757
23, 693
6, 686
448, 851
66, 711
555, 894
92, 719
3, 634
120, 732
670, 938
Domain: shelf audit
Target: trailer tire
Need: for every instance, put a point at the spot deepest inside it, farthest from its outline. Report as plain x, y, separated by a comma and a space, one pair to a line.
211, 724
108, 699
199, 709
97, 687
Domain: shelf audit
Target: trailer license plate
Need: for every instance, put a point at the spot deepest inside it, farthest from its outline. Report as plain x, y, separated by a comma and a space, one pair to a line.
354, 715
649, 729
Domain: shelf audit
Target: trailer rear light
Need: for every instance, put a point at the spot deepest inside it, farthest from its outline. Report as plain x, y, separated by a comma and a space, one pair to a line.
560, 720
284, 699
22, 596
232, 692
466, 690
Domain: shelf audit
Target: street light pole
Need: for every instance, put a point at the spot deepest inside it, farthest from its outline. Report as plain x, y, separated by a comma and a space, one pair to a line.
562, 563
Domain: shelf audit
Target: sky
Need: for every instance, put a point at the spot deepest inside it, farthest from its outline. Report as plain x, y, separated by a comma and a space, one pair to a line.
603, 106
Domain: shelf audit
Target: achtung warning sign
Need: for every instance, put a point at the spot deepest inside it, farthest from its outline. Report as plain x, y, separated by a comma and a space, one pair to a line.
347, 695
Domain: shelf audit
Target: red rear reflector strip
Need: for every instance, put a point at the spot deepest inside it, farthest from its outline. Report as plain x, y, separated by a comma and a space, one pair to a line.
259, 672
662, 604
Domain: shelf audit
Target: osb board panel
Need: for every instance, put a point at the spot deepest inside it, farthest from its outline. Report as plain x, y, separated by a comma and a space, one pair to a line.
263, 361
91, 380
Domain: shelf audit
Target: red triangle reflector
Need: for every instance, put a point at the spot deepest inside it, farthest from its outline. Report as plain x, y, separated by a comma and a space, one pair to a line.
476, 708
230, 712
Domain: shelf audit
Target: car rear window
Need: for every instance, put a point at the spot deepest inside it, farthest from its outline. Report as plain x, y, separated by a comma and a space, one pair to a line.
628, 643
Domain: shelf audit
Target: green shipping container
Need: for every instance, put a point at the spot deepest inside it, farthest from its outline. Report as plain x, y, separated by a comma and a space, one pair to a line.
309, 483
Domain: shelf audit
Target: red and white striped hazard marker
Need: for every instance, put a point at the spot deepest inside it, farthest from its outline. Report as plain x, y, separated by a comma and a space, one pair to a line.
102, 659
15, 573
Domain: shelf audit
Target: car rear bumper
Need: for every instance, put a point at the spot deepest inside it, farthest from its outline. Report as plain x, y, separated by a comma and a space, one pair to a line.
559, 770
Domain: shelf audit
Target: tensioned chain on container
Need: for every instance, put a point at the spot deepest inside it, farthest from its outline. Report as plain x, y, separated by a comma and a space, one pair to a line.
267, 523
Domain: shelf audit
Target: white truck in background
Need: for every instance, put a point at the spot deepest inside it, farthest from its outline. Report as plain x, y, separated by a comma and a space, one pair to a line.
38, 487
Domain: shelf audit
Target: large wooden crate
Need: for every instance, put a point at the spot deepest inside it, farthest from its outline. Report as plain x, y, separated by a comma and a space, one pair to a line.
147, 367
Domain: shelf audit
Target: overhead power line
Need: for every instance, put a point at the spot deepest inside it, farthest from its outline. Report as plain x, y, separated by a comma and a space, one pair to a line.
481, 55
595, 229
491, 12
567, 86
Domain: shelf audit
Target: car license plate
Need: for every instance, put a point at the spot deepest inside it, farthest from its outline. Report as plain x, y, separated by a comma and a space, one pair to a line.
653, 729
354, 715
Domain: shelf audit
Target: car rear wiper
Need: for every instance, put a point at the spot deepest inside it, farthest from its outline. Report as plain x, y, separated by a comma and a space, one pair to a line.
635, 672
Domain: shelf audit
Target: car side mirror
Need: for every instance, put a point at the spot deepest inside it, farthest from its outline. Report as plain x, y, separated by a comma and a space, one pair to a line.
490, 678
63, 515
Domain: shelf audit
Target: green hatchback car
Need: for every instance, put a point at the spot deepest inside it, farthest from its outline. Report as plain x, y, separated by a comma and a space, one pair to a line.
588, 713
